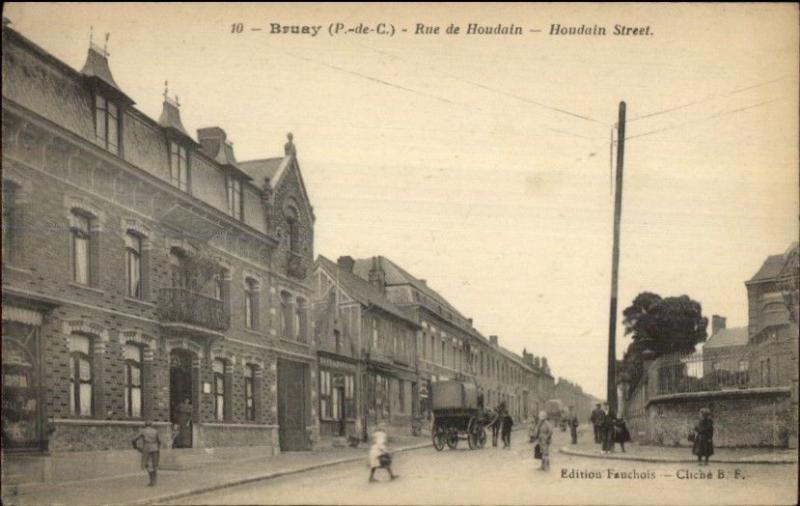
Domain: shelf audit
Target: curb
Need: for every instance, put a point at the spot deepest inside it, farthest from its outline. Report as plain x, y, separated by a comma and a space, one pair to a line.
268, 476
661, 460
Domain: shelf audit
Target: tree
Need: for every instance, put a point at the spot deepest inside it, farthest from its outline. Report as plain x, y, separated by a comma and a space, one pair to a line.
663, 325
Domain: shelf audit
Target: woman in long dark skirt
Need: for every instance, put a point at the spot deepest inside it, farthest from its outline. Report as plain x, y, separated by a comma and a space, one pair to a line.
621, 433
607, 428
704, 437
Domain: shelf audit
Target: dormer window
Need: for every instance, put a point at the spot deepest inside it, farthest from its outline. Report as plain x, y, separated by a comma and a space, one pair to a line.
179, 166
233, 188
106, 123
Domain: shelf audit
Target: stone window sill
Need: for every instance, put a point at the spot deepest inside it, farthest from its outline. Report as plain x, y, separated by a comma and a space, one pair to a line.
141, 302
254, 332
87, 288
19, 270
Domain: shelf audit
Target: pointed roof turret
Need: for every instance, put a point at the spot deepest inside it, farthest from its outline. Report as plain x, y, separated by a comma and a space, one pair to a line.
170, 118
98, 73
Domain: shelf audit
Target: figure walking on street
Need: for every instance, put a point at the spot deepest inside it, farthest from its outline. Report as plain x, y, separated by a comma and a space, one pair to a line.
379, 456
151, 445
621, 433
607, 430
507, 423
704, 437
544, 437
597, 422
573, 423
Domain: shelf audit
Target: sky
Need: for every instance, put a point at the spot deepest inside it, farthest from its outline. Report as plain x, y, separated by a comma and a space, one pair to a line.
482, 163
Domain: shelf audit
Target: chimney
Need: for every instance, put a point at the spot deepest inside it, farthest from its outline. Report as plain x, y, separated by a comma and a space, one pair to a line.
544, 364
717, 323
469, 320
493, 340
346, 263
537, 362
377, 277
214, 141
424, 282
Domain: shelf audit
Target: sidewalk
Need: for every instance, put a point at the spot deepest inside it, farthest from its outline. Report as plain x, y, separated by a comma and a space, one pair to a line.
176, 484
648, 453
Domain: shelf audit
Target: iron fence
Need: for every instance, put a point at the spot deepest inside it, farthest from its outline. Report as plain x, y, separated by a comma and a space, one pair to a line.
703, 372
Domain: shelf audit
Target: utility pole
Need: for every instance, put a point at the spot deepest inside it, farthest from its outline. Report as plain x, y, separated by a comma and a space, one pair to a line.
611, 387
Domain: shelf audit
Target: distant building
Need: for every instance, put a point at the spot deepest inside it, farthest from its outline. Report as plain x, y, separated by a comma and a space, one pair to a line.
726, 349
367, 354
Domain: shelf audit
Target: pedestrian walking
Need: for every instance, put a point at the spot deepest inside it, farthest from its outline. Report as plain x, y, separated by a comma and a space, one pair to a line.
703, 437
507, 424
573, 423
621, 433
597, 422
150, 447
379, 455
607, 431
543, 437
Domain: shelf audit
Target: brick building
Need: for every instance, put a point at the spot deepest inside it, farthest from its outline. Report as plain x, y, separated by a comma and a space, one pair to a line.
450, 347
367, 354
141, 269
772, 295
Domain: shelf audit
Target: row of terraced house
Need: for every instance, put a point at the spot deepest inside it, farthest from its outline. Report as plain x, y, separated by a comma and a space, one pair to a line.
149, 274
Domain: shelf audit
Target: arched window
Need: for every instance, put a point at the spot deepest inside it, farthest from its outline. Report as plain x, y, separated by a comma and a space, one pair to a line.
81, 375
133, 264
218, 367
133, 380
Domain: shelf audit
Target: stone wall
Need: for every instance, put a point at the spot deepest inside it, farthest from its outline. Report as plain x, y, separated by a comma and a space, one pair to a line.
97, 435
213, 435
753, 417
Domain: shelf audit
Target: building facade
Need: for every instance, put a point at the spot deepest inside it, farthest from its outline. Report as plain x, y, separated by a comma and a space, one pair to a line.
146, 274
367, 354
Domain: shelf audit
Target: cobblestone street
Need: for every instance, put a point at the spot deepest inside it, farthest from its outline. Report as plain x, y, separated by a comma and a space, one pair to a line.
494, 476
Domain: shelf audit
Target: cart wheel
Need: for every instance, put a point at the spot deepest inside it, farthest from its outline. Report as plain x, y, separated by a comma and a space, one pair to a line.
472, 433
452, 440
438, 440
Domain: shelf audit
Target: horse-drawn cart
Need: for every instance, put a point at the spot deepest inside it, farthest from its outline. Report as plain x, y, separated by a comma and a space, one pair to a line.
457, 415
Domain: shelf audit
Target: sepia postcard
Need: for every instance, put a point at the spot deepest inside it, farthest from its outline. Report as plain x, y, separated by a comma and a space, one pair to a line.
400, 254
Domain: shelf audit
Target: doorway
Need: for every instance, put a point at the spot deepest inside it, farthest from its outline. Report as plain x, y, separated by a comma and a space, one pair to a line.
180, 396
292, 405
338, 410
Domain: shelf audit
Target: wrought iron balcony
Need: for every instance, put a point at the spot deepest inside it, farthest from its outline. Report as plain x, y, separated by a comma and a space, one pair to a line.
180, 305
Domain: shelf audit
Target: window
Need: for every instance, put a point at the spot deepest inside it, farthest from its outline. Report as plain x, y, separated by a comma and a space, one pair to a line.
349, 390
251, 303
233, 187
769, 375
106, 123
219, 389
374, 334
9, 226
218, 286
444, 351
249, 399
286, 314
324, 394
81, 375
291, 215
178, 166
401, 395
80, 248
133, 380
433, 349
133, 262
300, 320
